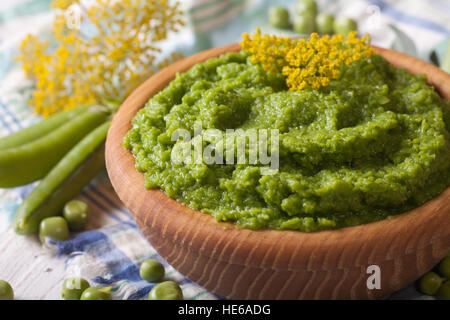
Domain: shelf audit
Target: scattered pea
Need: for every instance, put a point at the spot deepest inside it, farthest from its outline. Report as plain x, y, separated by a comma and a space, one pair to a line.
94, 293
76, 214
55, 228
444, 267
6, 291
167, 290
72, 288
324, 23
306, 6
304, 23
444, 291
151, 270
344, 25
429, 284
279, 17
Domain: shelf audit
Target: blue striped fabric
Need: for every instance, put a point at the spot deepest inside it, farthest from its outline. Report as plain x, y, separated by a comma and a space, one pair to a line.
110, 252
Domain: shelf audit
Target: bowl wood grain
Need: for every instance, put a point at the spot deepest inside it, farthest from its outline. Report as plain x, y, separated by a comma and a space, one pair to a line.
240, 263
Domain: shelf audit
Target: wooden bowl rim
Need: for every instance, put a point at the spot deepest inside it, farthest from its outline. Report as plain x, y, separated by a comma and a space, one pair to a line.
265, 243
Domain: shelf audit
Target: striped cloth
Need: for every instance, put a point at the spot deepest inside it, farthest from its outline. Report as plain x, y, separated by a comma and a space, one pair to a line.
110, 251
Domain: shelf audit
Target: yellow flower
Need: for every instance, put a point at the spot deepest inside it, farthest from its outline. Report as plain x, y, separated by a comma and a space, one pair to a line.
80, 69
312, 62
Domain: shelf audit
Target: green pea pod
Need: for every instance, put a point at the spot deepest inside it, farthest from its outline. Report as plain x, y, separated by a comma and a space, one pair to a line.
32, 161
40, 129
78, 167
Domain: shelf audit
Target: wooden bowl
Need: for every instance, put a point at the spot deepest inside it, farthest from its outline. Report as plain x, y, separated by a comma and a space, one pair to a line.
238, 263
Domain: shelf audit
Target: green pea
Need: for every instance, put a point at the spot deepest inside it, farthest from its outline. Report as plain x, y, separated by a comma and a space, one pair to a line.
444, 267
6, 291
167, 290
306, 6
305, 23
324, 23
94, 293
429, 284
151, 270
55, 228
72, 288
444, 291
344, 25
279, 17
76, 214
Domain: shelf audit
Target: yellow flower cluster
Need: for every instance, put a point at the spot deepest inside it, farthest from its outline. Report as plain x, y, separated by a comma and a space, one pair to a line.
109, 56
312, 62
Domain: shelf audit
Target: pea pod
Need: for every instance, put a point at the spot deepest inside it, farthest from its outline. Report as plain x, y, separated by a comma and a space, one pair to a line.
32, 161
40, 129
78, 167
